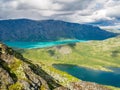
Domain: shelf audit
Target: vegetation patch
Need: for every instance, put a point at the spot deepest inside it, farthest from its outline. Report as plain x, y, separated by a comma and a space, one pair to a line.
93, 54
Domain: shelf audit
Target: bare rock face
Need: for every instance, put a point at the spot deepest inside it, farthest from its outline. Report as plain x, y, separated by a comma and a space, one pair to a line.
18, 73
4, 76
86, 86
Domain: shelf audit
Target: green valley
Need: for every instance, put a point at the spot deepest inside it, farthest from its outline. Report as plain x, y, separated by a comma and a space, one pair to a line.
96, 55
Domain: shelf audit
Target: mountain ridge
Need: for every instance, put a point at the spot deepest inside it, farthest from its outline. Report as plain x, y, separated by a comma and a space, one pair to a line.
49, 30
18, 73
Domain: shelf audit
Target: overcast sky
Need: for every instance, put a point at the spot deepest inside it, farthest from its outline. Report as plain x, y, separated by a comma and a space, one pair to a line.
80, 11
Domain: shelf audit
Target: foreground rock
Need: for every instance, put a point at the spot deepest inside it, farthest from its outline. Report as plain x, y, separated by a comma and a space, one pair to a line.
86, 86
18, 73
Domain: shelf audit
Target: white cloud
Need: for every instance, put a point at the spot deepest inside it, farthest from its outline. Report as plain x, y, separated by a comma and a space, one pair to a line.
114, 11
69, 10
41, 4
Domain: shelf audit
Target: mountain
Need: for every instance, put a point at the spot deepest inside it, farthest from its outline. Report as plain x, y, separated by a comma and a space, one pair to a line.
106, 22
19, 73
49, 30
103, 23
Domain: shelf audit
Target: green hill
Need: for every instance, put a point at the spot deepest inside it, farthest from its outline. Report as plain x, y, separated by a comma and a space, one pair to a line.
93, 54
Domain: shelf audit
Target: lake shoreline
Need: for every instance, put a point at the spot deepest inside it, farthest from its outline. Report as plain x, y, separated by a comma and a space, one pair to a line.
35, 45
87, 74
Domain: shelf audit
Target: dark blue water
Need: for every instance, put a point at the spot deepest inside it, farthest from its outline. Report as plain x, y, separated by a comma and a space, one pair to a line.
30, 45
86, 74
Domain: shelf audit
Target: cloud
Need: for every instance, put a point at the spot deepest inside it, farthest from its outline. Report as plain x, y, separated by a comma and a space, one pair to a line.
81, 11
113, 12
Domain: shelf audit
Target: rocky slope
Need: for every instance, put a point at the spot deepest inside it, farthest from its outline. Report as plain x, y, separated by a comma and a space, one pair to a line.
49, 30
18, 73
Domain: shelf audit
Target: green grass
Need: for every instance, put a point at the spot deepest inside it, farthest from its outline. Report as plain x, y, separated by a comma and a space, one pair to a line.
92, 54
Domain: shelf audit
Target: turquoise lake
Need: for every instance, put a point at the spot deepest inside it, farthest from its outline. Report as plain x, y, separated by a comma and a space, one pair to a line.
97, 76
31, 45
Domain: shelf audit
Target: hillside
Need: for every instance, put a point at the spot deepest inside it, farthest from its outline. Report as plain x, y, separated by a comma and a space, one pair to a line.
93, 54
49, 30
96, 55
19, 73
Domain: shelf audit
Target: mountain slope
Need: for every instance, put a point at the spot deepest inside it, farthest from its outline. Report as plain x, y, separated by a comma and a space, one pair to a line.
93, 54
49, 30
18, 73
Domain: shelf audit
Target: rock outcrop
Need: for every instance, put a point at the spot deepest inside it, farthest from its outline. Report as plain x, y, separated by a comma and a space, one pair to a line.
18, 73
86, 86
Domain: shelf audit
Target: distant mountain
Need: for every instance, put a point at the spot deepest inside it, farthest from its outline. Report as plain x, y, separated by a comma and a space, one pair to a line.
49, 30
105, 22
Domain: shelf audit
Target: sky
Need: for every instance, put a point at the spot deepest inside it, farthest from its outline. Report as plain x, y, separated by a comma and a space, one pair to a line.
80, 11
